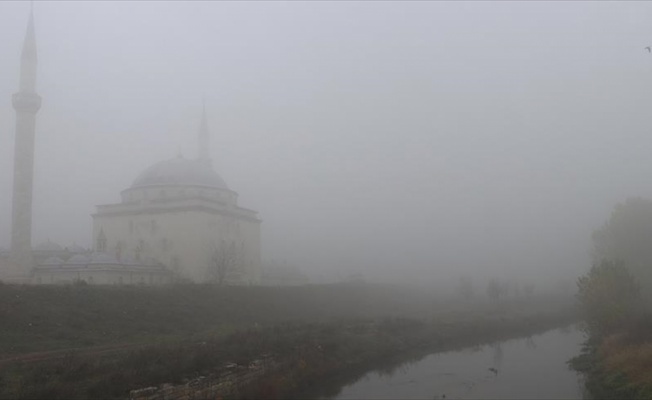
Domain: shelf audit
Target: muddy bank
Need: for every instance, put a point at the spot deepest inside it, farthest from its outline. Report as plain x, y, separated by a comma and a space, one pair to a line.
315, 360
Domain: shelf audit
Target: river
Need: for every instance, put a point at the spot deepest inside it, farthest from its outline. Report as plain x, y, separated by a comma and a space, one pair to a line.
534, 367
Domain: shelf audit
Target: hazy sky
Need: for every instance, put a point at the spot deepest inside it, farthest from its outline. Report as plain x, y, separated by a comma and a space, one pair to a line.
391, 138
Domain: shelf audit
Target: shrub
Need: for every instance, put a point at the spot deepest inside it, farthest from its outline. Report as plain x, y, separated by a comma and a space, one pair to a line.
608, 295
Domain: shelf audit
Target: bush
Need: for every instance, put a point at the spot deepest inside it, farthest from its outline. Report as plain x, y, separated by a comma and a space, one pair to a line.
609, 296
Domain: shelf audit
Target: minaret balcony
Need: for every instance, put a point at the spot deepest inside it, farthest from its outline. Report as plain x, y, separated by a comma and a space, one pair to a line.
26, 102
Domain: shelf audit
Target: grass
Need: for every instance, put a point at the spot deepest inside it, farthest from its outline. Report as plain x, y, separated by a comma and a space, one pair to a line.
629, 365
309, 353
620, 365
42, 318
317, 333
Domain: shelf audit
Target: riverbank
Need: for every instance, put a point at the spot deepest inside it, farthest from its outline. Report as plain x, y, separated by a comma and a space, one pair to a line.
433, 339
43, 318
292, 360
619, 365
235, 342
515, 368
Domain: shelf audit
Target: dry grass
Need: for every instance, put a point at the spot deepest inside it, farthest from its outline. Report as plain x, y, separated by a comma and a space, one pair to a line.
634, 360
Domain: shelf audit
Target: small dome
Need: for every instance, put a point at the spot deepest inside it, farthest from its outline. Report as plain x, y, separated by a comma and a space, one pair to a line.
48, 246
78, 259
128, 260
53, 261
75, 248
180, 171
102, 258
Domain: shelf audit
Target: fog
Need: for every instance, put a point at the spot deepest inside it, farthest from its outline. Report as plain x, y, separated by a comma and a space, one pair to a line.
404, 141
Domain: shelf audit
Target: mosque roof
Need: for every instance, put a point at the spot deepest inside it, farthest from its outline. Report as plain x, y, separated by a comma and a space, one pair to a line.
102, 258
75, 248
180, 171
48, 246
53, 261
78, 259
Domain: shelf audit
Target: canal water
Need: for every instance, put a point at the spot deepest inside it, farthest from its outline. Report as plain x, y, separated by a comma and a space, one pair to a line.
534, 367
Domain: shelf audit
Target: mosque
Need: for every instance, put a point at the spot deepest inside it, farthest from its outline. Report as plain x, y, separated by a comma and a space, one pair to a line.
178, 221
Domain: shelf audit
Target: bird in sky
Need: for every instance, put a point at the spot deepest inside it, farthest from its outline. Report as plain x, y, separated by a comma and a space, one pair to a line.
649, 49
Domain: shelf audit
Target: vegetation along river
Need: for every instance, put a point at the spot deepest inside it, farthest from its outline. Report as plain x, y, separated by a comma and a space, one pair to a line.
530, 367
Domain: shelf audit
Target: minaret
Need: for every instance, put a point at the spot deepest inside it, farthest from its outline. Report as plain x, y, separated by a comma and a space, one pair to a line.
26, 103
203, 152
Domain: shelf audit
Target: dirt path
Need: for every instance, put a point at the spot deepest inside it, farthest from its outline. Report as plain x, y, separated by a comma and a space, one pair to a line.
61, 353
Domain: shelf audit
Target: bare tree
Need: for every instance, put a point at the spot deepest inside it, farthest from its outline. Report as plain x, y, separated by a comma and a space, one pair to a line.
465, 288
495, 289
226, 259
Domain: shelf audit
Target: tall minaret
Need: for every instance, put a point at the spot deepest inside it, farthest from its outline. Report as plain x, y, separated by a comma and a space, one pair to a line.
26, 103
203, 152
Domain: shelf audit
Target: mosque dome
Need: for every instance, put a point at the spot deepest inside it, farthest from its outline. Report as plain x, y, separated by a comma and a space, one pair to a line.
48, 246
78, 259
180, 171
129, 260
102, 258
51, 261
75, 248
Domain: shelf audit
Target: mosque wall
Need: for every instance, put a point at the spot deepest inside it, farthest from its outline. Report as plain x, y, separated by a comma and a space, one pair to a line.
98, 274
184, 241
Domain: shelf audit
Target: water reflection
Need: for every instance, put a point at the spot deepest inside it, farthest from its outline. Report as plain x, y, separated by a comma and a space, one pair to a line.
531, 367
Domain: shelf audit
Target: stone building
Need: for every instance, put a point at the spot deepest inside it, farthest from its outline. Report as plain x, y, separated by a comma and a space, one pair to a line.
177, 221
180, 213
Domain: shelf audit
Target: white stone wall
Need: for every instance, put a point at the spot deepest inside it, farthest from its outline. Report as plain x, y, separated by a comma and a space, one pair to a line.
101, 275
183, 239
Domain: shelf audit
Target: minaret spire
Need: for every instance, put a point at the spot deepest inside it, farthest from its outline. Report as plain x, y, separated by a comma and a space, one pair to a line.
204, 136
28, 58
26, 103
